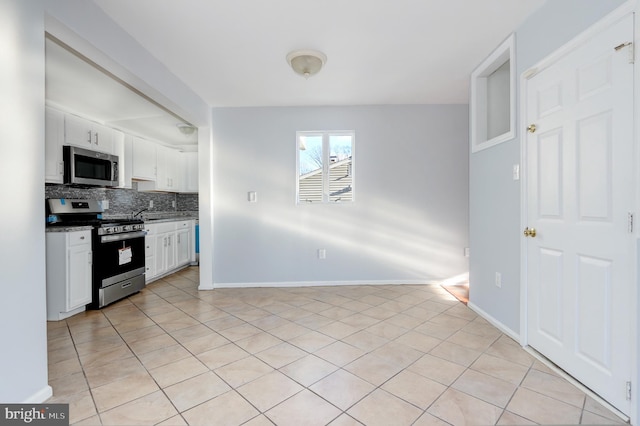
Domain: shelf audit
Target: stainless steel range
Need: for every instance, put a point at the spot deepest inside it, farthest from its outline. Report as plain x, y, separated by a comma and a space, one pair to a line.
117, 245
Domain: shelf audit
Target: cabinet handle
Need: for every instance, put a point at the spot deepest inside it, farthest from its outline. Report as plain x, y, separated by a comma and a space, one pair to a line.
82, 238
61, 168
178, 238
97, 142
89, 137
90, 256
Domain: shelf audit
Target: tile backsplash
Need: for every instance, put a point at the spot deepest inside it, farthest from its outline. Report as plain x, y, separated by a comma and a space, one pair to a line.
128, 201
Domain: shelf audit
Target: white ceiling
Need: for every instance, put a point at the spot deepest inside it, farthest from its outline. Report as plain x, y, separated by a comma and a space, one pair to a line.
232, 53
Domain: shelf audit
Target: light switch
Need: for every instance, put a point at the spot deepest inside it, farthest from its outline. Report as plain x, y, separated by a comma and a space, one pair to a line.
516, 172
253, 197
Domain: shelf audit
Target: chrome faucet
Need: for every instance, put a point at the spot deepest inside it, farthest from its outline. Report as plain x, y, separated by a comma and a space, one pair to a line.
139, 213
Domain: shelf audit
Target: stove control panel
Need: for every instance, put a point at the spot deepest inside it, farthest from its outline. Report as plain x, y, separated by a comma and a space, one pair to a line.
119, 229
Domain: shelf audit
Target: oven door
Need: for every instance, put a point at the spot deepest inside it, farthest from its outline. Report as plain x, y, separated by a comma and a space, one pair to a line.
118, 257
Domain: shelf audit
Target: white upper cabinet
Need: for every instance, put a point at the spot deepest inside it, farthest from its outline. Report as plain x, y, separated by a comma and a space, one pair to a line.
144, 159
126, 169
124, 159
53, 140
190, 172
171, 172
155, 166
87, 134
167, 165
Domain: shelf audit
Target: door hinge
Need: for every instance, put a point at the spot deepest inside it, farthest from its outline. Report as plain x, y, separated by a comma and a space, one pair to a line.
630, 52
630, 222
628, 385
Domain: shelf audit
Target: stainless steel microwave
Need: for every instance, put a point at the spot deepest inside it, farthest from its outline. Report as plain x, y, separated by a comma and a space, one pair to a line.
87, 167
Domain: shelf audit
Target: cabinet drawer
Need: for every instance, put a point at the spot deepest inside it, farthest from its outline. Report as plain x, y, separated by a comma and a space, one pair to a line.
150, 229
183, 225
166, 227
79, 237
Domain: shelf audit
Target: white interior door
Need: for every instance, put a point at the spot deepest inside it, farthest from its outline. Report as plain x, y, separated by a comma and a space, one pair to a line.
580, 193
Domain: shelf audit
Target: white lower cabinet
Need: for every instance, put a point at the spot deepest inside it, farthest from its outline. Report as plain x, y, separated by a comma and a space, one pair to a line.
185, 241
163, 253
149, 251
168, 247
69, 260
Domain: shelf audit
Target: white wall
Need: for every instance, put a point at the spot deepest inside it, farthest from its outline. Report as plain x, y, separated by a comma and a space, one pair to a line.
23, 357
495, 228
408, 223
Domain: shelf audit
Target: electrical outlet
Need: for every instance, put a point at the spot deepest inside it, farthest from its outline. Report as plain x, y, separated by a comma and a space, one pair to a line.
252, 196
150, 204
466, 252
173, 204
498, 280
322, 253
516, 172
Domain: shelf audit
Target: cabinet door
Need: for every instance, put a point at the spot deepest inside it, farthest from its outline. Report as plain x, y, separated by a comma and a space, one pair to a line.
53, 140
150, 246
161, 247
144, 159
171, 164
183, 244
150, 252
79, 279
162, 177
87, 134
166, 168
78, 132
190, 174
126, 162
171, 251
102, 138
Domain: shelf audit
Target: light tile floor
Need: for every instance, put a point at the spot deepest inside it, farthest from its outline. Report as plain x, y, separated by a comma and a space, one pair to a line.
345, 355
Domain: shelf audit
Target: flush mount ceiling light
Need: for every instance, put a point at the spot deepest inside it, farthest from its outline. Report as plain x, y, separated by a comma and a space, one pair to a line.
306, 62
185, 129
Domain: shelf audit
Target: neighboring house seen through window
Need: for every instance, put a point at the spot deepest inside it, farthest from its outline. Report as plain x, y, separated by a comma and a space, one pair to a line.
325, 166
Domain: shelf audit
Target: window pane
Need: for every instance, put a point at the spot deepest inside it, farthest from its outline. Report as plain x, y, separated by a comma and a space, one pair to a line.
340, 168
310, 172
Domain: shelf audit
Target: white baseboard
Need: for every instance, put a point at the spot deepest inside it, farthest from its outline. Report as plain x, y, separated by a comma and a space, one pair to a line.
41, 396
318, 283
500, 326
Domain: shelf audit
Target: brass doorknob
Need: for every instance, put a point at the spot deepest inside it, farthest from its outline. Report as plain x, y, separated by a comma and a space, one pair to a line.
531, 128
530, 232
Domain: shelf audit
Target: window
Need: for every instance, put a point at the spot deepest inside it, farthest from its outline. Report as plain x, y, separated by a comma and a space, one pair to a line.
492, 101
324, 167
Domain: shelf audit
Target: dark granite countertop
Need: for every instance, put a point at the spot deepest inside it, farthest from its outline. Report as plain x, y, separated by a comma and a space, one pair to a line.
68, 228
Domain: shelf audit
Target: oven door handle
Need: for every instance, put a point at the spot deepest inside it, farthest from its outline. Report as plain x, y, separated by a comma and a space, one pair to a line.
122, 237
